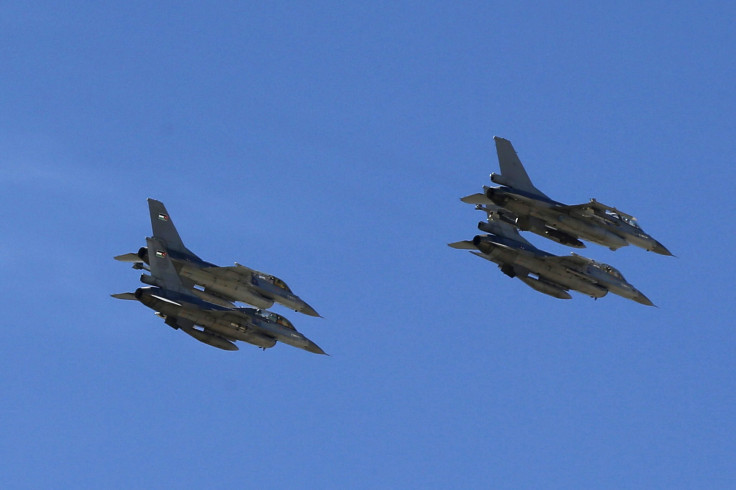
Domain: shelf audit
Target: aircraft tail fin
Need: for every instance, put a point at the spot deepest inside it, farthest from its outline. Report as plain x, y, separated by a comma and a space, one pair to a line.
501, 228
513, 173
162, 268
164, 229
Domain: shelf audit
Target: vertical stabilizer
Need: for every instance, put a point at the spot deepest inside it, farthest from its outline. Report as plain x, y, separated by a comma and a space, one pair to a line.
164, 229
162, 269
499, 227
512, 171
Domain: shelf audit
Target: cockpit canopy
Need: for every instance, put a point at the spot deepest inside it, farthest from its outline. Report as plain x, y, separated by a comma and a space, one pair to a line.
629, 220
275, 281
614, 213
613, 271
273, 317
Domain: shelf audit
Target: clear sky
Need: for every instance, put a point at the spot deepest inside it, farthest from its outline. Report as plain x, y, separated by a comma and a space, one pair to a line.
328, 143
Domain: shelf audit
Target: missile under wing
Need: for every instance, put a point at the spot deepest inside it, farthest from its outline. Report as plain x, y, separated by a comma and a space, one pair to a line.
534, 211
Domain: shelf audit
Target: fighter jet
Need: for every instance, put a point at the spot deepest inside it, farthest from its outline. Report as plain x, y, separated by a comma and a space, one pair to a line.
549, 274
222, 326
531, 210
222, 285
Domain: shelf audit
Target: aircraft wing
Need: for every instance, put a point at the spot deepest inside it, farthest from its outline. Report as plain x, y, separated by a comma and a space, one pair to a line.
464, 245
131, 257
124, 296
476, 199
215, 314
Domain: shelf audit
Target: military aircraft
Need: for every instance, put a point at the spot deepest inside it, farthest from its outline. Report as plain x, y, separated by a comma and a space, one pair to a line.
549, 274
222, 285
531, 210
222, 326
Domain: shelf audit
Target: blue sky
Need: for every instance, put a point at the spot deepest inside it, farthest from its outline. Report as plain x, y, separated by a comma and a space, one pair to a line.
328, 143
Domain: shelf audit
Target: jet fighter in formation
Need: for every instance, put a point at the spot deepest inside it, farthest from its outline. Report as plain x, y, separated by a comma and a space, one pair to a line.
222, 285
517, 204
529, 209
174, 273
550, 274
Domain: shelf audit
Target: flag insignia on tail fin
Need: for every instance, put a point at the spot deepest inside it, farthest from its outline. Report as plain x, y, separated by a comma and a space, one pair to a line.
160, 254
163, 217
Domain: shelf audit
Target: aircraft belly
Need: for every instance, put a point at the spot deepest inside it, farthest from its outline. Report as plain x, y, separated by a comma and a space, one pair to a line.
282, 334
229, 326
244, 294
242, 334
565, 278
232, 326
164, 307
588, 231
582, 286
519, 207
211, 298
260, 340
237, 290
529, 262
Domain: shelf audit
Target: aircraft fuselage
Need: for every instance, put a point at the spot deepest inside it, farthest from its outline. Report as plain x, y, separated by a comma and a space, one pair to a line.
525, 204
592, 279
245, 324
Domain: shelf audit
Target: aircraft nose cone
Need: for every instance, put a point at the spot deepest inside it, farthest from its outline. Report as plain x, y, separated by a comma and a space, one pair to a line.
308, 310
312, 347
640, 298
661, 249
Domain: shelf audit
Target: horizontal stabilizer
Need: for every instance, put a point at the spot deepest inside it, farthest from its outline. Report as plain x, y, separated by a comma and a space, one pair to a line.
464, 245
476, 199
131, 257
124, 296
